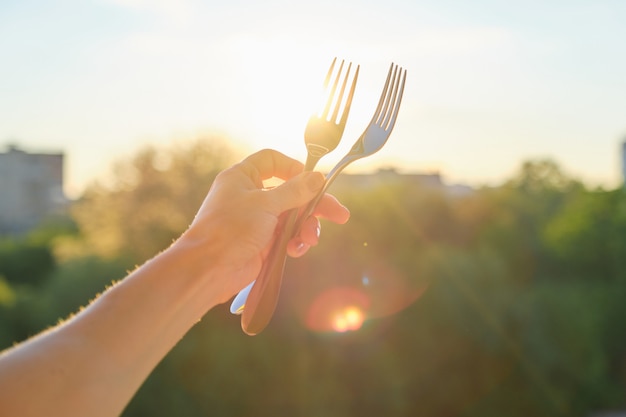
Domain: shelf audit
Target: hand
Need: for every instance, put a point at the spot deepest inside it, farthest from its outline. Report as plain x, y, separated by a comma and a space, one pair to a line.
238, 219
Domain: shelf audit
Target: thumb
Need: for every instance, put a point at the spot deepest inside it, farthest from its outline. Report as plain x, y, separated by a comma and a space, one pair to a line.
297, 191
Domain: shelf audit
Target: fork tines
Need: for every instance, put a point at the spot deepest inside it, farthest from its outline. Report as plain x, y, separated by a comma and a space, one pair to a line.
387, 109
337, 102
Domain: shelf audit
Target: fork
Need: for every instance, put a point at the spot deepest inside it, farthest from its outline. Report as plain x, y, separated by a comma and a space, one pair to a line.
373, 138
371, 141
322, 134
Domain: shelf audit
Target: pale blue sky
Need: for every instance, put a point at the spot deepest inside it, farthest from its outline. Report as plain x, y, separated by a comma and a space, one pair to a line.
490, 83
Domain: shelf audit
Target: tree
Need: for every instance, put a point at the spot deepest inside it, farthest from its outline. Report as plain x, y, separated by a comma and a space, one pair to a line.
150, 199
23, 262
588, 236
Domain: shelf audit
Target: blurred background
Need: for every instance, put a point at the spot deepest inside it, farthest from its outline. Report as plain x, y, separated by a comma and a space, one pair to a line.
483, 270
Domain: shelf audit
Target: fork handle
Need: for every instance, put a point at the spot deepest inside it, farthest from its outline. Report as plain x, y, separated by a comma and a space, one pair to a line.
330, 178
263, 296
239, 303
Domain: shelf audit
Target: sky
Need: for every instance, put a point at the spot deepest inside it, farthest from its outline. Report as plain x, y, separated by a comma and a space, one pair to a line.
490, 83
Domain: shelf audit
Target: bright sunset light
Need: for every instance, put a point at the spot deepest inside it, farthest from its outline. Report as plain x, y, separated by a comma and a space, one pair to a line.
98, 79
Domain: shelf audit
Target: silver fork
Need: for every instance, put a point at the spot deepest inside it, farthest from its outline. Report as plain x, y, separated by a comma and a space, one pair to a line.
322, 134
373, 138
371, 141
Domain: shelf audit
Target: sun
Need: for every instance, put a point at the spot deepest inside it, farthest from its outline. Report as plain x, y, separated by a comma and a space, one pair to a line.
276, 92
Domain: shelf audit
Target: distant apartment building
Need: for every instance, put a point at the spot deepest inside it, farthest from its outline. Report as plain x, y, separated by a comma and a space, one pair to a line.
31, 189
385, 176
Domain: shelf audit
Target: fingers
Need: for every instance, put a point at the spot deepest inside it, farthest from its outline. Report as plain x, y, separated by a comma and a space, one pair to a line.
298, 189
295, 192
331, 209
310, 231
328, 208
309, 236
269, 163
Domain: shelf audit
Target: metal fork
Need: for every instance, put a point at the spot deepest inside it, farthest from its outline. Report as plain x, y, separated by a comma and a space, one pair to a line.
322, 134
373, 138
371, 141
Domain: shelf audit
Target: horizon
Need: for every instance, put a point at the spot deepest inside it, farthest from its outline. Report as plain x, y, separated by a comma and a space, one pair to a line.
376, 168
489, 85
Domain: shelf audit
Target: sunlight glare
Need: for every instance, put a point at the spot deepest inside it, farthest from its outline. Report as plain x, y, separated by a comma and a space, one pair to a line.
338, 309
348, 319
277, 92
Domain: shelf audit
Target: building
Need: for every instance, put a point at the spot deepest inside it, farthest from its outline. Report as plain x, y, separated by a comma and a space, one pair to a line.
31, 189
431, 180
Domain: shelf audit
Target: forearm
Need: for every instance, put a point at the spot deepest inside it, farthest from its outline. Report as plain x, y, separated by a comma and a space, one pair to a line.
94, 363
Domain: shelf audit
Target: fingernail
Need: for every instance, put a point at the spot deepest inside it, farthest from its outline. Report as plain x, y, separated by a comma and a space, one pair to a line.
314, 180
300, 247
318, 230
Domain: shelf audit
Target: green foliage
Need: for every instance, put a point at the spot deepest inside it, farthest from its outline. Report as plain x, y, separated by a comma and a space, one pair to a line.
507, 301
76, 282
7, 294
52, 229
29, 260
23, 262
587, 238
69, 288
150, 199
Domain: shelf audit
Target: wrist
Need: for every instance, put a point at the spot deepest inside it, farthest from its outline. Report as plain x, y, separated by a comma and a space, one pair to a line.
195, 263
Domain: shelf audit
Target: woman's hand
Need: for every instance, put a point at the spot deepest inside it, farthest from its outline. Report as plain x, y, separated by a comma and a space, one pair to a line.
238, 219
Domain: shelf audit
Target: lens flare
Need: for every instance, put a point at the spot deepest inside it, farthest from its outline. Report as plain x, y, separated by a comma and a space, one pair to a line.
340, 296
349, 319
338, 309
